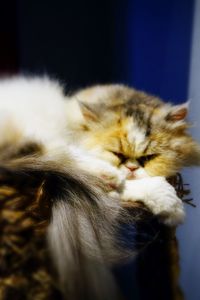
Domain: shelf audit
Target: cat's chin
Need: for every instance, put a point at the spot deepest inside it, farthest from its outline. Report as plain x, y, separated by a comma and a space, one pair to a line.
140, 173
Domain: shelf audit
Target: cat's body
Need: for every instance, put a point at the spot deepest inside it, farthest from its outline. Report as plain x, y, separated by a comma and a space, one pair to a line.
89, 159
33, 143
43, 116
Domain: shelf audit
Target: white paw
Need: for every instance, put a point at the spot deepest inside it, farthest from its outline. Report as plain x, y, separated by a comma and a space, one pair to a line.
112, 177
159, 196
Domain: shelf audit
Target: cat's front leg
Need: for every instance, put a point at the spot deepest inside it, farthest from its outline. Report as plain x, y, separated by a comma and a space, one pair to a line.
158, 195
112, 177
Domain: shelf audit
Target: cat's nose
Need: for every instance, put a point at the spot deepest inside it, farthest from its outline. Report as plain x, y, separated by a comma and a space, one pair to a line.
132, 168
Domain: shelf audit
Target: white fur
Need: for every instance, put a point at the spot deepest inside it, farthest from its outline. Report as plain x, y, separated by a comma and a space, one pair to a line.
98, 167
35, 108
158, 195
136, 136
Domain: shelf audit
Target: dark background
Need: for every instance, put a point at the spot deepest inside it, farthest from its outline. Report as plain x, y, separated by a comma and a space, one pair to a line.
141, 43
138, 42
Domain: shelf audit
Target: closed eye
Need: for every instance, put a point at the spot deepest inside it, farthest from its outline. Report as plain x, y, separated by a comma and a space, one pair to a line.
120, 156
146, 158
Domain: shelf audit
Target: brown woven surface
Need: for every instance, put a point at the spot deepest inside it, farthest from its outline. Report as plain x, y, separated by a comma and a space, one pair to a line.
24, 259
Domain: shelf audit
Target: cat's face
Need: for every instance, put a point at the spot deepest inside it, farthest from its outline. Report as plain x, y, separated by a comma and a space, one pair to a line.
133, 130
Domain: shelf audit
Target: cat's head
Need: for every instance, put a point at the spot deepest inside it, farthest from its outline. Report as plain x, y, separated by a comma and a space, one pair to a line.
133, 129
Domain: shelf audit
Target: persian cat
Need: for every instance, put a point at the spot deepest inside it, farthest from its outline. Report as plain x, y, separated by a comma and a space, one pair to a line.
92, 152
143, 139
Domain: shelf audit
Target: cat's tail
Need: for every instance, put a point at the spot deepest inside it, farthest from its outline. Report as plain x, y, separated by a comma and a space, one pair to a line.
83, 231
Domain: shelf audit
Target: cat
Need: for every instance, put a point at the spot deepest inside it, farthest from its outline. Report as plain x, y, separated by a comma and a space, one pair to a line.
140, 136
94, 151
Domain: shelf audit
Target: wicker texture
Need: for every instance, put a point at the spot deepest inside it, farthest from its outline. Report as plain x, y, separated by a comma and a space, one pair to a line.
24, 260
25, 271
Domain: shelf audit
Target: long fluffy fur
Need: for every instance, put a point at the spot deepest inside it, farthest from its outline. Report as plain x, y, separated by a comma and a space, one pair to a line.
124, 121
83, 227
122, 125
84, 221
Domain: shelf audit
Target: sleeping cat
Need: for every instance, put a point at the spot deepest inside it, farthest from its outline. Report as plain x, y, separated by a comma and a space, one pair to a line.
104, 147
143, 138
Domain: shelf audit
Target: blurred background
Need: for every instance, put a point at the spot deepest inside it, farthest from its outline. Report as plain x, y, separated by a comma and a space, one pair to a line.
151, 45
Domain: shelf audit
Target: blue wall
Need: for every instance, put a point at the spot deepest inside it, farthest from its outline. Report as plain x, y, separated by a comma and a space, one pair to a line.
157, 46
189, 233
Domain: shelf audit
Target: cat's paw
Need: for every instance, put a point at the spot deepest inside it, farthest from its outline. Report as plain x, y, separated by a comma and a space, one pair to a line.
159, 196
112, 177
166, 203
113, 180
175, 215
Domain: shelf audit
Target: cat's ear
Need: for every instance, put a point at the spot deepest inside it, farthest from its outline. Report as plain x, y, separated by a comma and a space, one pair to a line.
178, 112
88, 111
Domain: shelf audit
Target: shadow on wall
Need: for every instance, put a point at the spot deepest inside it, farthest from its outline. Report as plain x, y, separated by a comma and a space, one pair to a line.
189, 233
